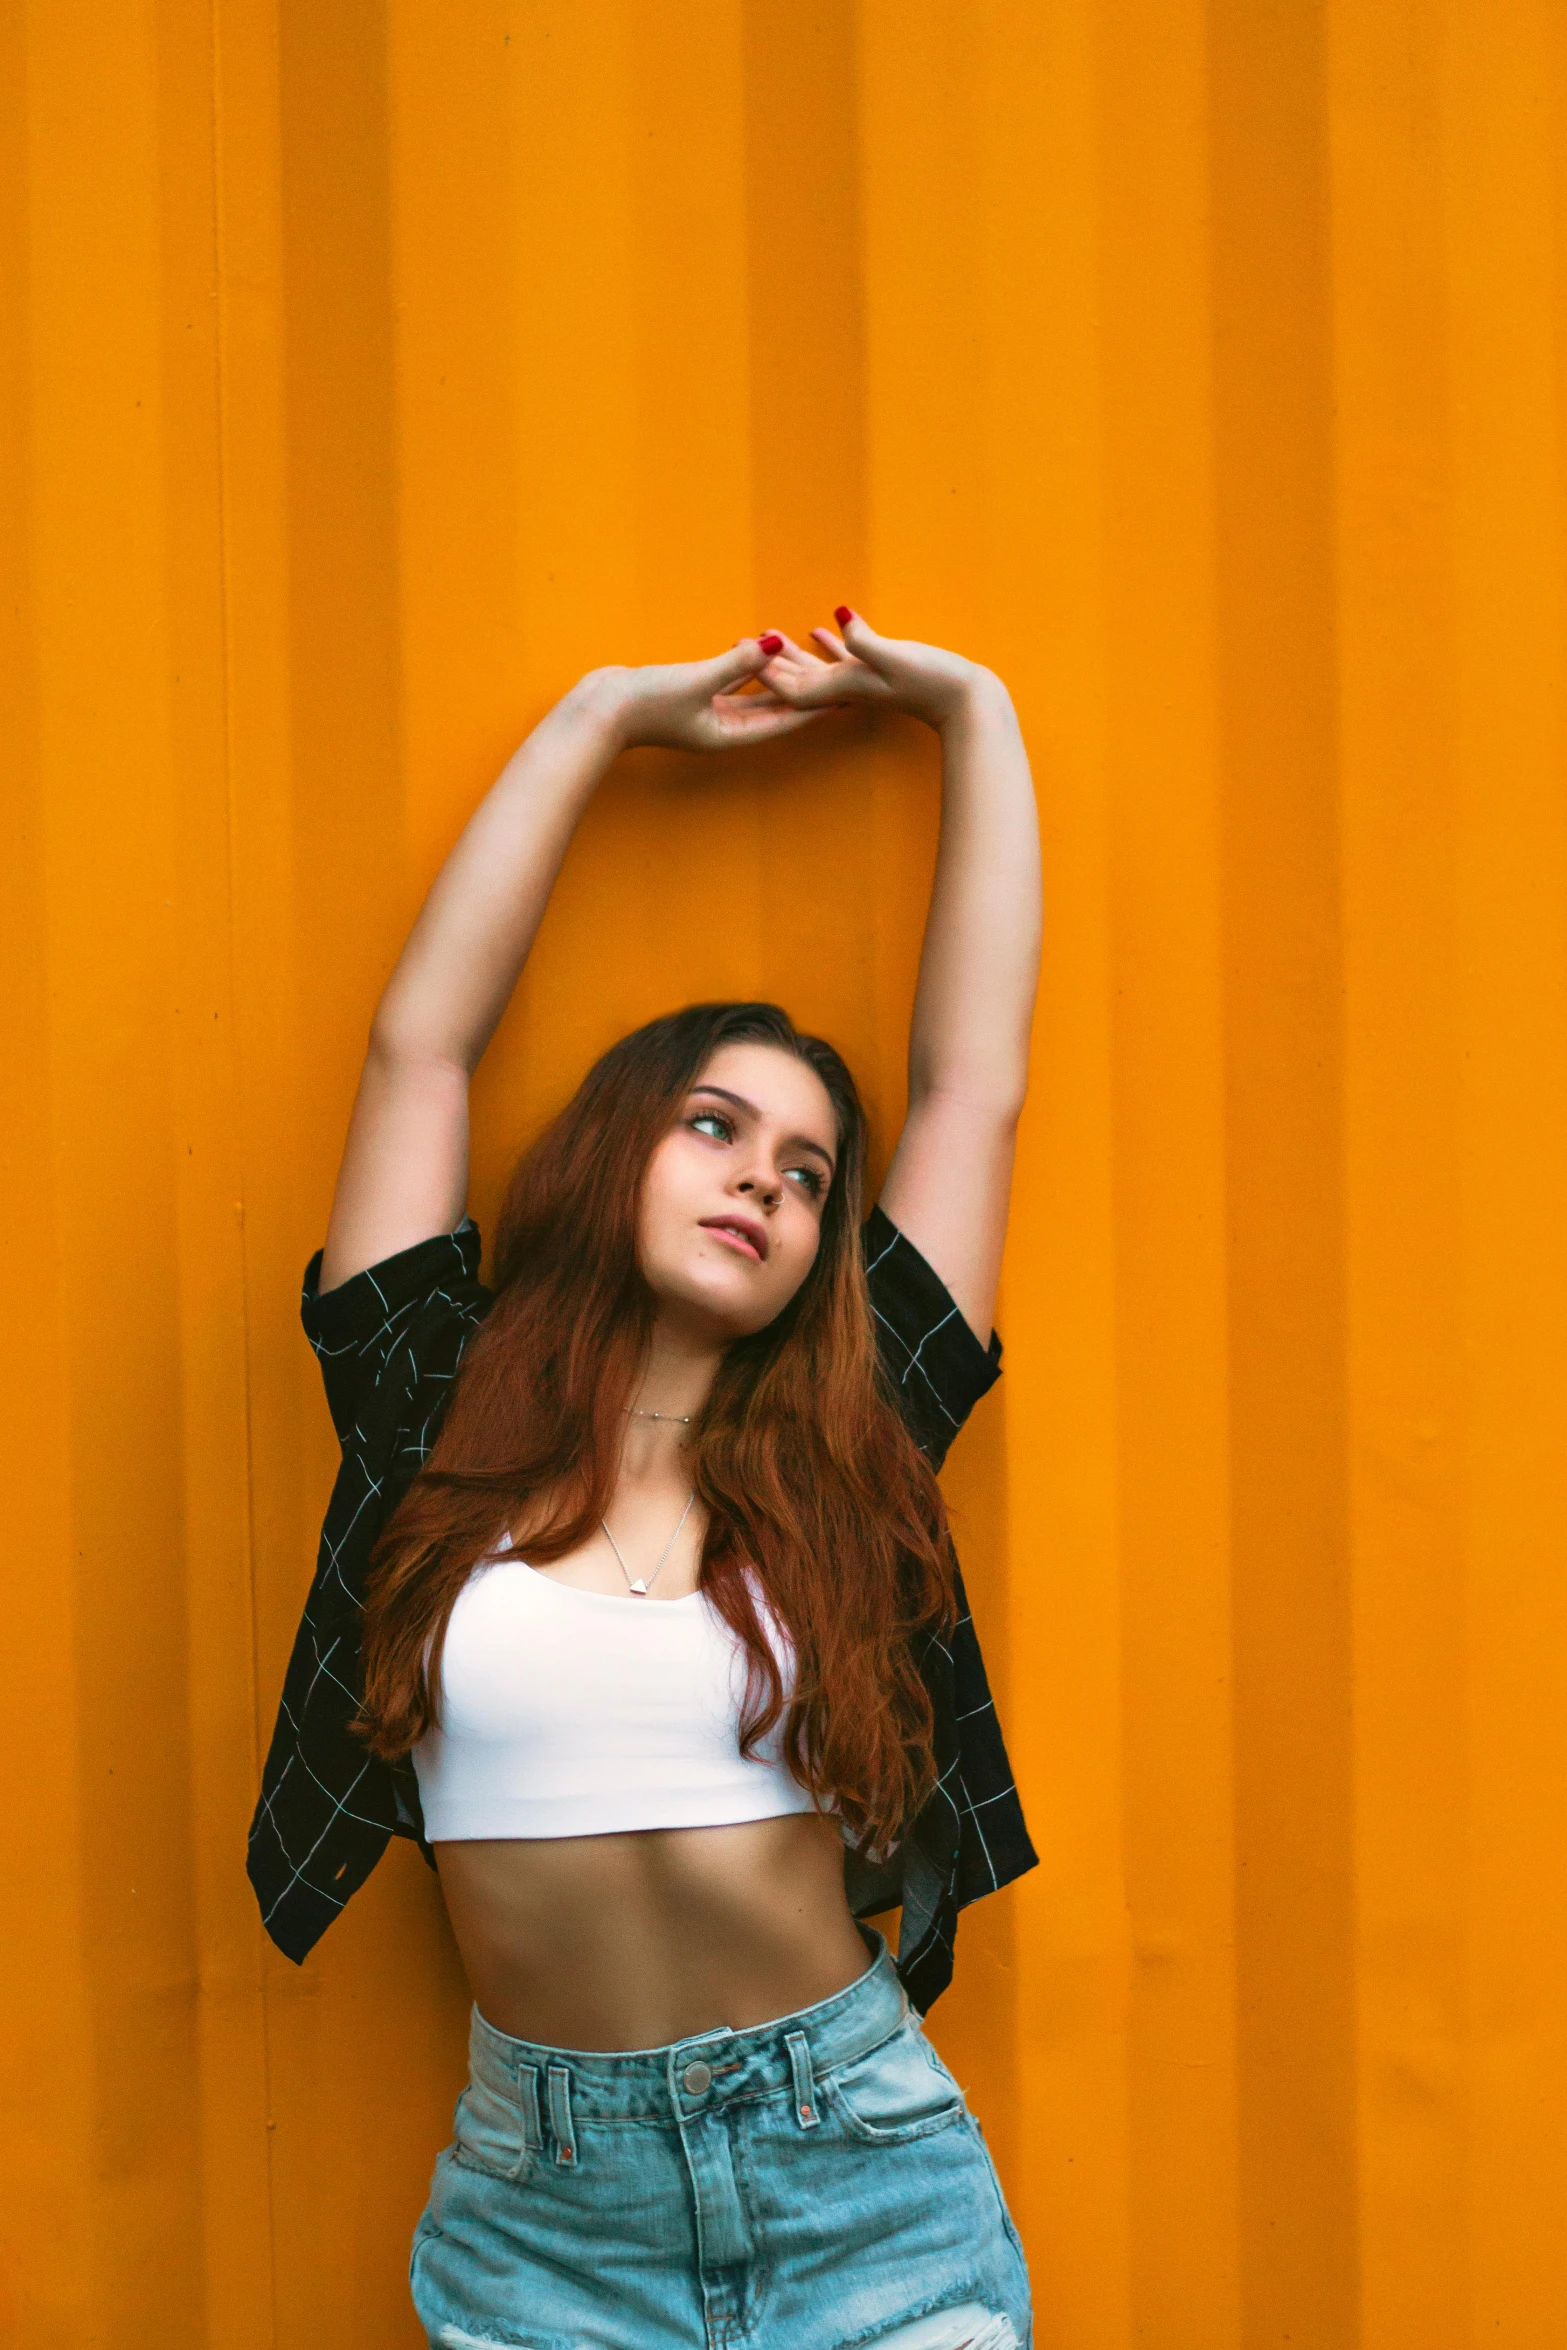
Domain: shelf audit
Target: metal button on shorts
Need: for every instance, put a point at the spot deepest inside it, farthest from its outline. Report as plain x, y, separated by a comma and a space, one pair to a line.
696, 2078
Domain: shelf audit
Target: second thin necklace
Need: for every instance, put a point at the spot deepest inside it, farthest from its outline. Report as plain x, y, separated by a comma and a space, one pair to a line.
641, 1585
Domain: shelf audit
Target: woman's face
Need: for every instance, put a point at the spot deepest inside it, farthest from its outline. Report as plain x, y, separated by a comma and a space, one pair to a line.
732, 1202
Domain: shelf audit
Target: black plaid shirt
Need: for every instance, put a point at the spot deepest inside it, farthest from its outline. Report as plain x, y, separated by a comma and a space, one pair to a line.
389, 1342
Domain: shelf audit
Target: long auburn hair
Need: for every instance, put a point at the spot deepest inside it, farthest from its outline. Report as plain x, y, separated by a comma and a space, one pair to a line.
808, 1474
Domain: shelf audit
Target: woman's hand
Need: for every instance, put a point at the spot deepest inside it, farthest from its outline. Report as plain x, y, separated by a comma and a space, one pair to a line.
693, 705
880, 672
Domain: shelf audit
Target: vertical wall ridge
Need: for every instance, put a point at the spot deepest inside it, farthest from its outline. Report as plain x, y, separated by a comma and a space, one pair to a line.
1283, 953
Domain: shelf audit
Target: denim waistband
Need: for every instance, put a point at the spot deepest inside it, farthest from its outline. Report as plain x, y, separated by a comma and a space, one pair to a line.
707, 2068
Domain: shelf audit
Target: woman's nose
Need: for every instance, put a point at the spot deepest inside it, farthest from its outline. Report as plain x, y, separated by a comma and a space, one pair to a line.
769, 1188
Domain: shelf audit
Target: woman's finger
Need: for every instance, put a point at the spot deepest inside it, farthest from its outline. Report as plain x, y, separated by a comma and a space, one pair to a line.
816, 688
782, 649
746, 659
805, 681
861, 639
833, 646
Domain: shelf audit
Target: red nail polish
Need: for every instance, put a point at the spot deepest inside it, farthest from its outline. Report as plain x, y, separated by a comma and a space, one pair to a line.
770, 644
843, 615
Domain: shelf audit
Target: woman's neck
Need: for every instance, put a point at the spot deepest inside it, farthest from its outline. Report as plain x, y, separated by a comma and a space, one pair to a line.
676, 1380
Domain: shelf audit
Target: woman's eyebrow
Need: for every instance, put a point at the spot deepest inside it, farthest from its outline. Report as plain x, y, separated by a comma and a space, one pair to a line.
798, 1142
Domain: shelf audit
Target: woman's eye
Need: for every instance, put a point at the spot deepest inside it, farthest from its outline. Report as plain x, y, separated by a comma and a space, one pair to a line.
710, 1121
809, 1180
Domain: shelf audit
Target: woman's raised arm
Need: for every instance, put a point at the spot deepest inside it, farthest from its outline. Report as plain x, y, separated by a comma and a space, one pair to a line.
948, 1184
405, 1164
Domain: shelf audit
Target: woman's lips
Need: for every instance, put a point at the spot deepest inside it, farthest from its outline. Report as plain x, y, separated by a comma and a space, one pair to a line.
738, 1236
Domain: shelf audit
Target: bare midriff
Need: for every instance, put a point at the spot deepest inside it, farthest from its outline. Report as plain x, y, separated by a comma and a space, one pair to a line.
617, 1942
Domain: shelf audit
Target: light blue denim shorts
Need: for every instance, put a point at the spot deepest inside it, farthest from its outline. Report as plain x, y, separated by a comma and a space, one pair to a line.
812, 2184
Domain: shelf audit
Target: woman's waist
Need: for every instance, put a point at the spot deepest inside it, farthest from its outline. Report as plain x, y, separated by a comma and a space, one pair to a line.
711, 2062
634, 1940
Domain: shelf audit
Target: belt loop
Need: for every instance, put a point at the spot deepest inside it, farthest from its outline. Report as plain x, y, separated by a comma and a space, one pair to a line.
528, 2092
560, 2114
804, 2079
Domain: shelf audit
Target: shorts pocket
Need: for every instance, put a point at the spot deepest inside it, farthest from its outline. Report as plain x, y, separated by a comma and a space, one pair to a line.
491, 2133
902, 2090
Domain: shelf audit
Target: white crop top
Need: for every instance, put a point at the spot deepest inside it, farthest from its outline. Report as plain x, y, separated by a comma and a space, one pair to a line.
574, 1713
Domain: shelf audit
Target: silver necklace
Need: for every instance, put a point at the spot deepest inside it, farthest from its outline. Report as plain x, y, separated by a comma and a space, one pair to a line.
681, 1419
642, 1585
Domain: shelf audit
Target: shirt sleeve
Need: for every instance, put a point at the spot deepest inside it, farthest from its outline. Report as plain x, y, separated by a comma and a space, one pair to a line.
937, 1368
372, 1334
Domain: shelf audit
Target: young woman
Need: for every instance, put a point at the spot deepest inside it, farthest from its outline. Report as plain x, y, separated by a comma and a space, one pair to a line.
636, 1604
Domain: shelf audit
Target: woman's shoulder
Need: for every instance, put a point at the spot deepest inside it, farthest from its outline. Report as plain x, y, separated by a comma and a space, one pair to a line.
937, 1367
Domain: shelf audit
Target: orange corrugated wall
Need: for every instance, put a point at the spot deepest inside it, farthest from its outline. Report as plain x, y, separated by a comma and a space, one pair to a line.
371, 368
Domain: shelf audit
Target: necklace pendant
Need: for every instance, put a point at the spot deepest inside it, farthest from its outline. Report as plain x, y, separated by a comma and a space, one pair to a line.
639, 1589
